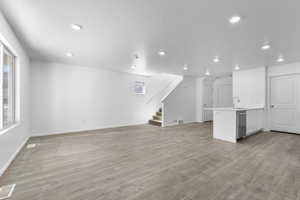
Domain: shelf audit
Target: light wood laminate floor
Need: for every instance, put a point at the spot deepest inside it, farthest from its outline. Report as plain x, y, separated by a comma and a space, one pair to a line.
153, 163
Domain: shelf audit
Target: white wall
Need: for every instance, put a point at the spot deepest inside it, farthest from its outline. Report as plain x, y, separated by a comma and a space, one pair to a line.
212, 92
249, 86
222, 92
293, 68
160, 86
69, 98
12, 140
181, 103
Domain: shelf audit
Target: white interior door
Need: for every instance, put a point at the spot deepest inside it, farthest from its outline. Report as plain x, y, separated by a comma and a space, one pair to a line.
285, 103
207, 102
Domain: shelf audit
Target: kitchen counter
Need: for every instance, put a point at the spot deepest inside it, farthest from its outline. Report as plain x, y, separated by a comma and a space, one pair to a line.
234, 109
231, 124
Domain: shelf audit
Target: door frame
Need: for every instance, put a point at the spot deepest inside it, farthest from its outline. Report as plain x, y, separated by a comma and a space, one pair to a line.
205, 105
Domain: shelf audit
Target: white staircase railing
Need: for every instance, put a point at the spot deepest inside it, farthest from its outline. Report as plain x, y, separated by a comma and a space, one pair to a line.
172, 87
163, 93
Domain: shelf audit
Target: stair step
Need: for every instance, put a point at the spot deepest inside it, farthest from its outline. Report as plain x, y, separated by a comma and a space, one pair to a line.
156, 117
155, 122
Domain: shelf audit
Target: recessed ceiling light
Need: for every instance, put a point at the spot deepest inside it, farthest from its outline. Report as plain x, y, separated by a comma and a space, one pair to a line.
69, 54
237, 67
133, 67
280, 59
162, 53
234, 19
185, 68
266, 47
216, 60
207, 73
76, 27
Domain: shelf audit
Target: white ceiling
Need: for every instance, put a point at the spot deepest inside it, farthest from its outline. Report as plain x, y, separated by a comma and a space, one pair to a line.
191, 31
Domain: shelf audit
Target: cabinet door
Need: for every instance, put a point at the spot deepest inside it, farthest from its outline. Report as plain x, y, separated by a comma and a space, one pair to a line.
255, 121
249, 88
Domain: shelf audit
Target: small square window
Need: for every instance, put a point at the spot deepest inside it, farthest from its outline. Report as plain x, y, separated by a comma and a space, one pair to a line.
139, 87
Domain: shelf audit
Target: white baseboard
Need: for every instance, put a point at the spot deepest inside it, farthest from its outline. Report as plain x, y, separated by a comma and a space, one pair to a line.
253, 132
176, 123
83, 130
170, 124
11, 159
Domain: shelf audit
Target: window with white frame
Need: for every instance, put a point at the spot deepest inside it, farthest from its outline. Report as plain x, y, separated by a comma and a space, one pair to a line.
7, 88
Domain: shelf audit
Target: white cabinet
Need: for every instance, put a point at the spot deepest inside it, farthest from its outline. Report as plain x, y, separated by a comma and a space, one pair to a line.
226, 123
249, 88
255, 121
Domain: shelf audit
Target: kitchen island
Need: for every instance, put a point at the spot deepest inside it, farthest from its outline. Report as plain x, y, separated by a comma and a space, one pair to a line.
231, 124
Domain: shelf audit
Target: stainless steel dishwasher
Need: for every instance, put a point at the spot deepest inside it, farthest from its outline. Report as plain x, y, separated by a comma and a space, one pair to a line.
241, 124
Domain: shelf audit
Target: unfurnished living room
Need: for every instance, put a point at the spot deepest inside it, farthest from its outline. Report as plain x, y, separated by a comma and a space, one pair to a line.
149, 100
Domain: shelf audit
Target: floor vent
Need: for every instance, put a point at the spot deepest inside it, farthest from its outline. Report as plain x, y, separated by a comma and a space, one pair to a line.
6, 191
31, 146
